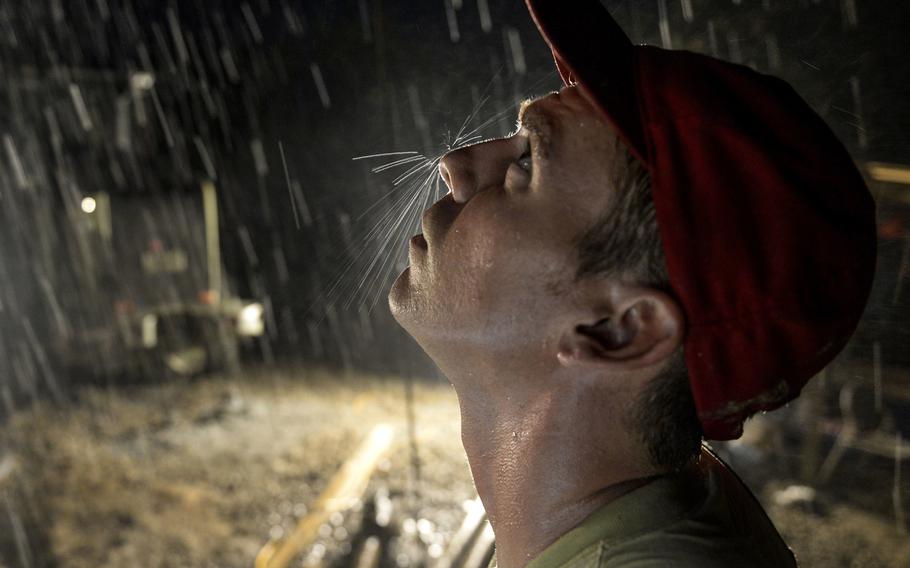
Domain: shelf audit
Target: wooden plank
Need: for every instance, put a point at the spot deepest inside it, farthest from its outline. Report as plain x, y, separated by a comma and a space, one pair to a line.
460, 545
889, 173
342, 492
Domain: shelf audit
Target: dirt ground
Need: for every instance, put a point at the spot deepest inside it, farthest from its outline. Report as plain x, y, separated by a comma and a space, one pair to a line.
204, 473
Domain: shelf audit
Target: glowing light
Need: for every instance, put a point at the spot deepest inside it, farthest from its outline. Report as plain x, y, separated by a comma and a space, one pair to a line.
89, 205
250, 322
142, 81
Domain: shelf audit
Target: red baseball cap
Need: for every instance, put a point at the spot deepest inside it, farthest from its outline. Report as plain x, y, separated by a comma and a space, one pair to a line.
767, 226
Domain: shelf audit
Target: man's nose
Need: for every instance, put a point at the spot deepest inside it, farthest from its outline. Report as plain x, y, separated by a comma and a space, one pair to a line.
456, 169
474, 168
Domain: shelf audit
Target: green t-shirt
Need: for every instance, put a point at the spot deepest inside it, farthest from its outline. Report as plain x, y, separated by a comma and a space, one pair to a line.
703, 517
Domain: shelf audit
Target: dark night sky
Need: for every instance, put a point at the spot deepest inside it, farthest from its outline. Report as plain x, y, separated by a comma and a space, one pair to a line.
235, 77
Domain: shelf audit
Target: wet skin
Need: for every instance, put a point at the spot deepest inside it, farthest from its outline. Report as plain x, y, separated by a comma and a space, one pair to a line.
545, 365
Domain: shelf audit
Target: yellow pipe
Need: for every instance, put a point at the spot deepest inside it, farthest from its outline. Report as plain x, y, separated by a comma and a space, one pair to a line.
891, 173
342, 492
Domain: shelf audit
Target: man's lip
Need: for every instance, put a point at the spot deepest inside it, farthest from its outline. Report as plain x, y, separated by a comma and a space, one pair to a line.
436, 220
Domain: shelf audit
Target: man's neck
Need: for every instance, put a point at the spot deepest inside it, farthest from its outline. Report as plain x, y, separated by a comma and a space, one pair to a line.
544, 463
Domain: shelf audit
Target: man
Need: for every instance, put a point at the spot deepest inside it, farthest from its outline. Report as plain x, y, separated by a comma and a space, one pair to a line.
666, 246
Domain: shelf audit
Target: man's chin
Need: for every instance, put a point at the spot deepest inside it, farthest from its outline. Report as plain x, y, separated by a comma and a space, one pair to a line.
409, 307
401, 302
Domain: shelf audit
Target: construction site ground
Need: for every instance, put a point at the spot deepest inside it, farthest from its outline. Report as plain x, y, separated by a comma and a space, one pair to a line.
205, 472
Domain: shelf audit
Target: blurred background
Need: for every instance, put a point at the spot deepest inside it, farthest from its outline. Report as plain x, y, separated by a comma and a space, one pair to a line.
204, 203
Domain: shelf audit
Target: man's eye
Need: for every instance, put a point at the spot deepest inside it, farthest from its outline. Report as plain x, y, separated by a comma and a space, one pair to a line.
525, 162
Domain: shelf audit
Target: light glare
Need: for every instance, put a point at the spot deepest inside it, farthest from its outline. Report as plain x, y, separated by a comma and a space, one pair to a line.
89, 205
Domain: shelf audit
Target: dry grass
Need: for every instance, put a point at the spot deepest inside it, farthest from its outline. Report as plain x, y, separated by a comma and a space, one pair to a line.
200, 474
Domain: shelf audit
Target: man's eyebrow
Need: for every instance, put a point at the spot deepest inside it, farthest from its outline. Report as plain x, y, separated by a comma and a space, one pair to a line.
535, 119
522, 108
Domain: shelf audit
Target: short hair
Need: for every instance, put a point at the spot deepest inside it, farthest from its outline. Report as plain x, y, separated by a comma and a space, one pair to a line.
625, 244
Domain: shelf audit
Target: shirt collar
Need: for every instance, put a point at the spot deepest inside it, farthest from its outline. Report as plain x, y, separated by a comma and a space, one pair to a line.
647, 508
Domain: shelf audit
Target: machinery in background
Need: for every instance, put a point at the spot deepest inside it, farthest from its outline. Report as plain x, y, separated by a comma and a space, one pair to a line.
853, 419
152, 299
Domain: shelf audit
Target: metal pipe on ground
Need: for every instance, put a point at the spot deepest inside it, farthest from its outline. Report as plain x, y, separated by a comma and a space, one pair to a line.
342, 492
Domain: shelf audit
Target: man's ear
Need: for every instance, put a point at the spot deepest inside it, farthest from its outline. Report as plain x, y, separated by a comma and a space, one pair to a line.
644, 326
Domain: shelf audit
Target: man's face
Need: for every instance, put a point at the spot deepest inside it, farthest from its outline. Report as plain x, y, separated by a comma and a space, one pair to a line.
494, 273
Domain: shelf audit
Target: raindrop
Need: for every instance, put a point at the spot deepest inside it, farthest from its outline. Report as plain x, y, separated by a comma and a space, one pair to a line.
516, 50
262, 165
295, 25
318, 550
8, 30
735, 51
57, 12
664, 24
81, 109
103, 9
123, 139
165, 125
773, 52
338, 335
435, 550
452, 20
281, 265
861, 137
896, 498
420, 120
50, 378
687, 10
163, 48
316, 347
247, 244
176, 33
139, 110
712, 40
269, 313
301, 202
483, 10
812, 66
320, 85
15, 161
206, 158
365, 25
344, 221
230, 66
251, 22
877, 374
53, 125
290, 325
60, 321
366, 326
287, 178
22, 546
902, 271
849, 14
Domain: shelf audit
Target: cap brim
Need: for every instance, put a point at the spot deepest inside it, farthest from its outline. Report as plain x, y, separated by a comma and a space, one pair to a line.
592, 51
